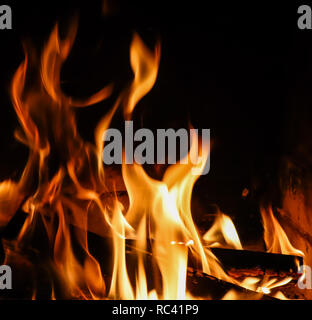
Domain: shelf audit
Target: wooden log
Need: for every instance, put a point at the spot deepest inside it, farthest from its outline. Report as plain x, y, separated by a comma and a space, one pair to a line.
202, 285
199, 284
242, 263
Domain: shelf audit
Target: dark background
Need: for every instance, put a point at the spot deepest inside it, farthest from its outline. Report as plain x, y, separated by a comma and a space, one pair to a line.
242, 70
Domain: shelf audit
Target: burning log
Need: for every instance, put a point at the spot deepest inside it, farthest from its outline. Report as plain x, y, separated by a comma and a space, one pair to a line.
204, 285
242, 263
238, 263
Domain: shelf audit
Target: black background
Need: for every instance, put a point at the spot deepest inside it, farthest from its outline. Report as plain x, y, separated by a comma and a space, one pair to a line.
241, 69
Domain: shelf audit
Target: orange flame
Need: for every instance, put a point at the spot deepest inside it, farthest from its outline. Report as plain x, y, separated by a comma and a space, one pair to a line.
223, 233
277, 241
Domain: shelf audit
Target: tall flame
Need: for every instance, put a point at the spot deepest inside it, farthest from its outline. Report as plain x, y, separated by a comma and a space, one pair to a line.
277, 241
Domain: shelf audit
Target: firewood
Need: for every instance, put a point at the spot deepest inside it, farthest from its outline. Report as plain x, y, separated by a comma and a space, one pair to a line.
238, 263
202, 285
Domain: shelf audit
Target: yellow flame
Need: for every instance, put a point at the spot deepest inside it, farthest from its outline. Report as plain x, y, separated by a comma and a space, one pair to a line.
223, 233
275, 237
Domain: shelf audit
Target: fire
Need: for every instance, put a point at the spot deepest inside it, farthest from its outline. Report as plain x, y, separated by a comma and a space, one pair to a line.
223, 233
277, 241
155, 235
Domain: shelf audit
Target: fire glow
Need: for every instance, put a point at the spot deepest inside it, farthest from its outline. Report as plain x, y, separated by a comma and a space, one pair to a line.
155, 240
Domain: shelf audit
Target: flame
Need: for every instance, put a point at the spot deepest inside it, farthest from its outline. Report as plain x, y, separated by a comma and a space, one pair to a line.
169, 225
156, 232
276, 241
279, 295
223, 233
121, 287
10, 199
145, 68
